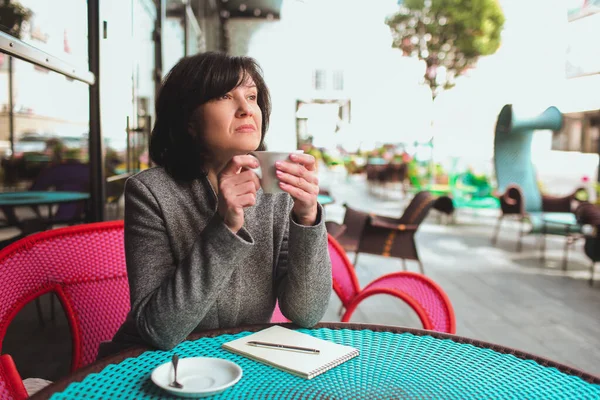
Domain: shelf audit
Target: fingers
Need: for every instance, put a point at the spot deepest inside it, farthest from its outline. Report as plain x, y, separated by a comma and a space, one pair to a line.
299, 193
298, 182
232, 192
234, 166
302, 171
247, 200
307, 160
298, 178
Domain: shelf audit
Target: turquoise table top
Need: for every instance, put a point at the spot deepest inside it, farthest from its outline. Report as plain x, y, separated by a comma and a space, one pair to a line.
15, 199
560, 218
324, 199
394, 362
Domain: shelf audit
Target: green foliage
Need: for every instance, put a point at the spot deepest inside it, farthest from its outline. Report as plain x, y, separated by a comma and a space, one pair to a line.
12, 16
449, 33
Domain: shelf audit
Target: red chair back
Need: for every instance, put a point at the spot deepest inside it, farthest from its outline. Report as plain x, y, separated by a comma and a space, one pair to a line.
345, 283
84, 266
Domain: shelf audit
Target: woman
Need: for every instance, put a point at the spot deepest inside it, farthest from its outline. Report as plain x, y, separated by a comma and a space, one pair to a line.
205, 247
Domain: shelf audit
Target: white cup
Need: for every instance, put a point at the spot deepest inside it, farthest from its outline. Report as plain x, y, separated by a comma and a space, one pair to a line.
267, 172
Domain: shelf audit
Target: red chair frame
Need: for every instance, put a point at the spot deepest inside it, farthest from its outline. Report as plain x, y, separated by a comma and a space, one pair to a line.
84, 265
422, 294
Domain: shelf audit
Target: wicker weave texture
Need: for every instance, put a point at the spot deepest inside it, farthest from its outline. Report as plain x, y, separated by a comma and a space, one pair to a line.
84, 264
391, 365
423, 292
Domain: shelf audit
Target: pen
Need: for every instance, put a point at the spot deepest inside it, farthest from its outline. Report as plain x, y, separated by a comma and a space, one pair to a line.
277, 346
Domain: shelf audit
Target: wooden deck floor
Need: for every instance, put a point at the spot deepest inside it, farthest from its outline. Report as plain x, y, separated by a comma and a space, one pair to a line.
498, 295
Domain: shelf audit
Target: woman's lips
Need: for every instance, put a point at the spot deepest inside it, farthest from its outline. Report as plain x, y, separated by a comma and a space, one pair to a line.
245, 128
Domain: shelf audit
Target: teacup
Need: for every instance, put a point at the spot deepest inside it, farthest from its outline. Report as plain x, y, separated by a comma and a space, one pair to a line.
267, 172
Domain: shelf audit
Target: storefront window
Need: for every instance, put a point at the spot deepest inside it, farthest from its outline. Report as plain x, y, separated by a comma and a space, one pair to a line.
57, 27
49, 126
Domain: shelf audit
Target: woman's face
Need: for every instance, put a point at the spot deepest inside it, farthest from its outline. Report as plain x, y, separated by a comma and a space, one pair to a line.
231, 124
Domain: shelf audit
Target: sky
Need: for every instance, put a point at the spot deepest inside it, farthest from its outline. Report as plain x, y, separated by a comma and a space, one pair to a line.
390, 104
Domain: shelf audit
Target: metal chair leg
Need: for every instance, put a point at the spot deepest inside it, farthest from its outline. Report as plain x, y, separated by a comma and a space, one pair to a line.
403, 264
421, 267
543, 247
38, 306
52, 313
566, 253
497, 230
355, 259
520, 242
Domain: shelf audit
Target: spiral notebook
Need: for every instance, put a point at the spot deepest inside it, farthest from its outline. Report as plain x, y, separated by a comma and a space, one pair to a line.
301, 364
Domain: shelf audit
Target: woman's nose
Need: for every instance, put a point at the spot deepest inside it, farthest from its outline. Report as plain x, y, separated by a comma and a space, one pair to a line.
244, 109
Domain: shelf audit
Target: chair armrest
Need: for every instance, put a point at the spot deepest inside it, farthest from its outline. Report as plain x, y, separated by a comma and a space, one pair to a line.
335, 229
511, 201
561, 203
13, 382
380, 223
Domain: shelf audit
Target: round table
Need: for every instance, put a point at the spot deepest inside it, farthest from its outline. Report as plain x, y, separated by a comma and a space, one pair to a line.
394, 362
324, 199
17, 199
10, 200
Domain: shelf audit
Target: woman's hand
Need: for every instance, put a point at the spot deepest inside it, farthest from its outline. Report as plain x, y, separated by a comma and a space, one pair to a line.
237, 190
299, 179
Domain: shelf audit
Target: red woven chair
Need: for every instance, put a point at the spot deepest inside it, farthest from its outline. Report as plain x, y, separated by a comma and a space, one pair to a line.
422, 294
84, 265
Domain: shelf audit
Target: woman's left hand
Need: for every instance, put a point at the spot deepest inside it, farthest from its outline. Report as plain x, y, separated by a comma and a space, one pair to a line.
298, 177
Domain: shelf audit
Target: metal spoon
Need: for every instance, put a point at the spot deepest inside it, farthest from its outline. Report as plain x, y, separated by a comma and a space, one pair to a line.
175, 384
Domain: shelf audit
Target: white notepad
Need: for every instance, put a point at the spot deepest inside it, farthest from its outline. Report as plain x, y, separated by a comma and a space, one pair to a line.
303, 365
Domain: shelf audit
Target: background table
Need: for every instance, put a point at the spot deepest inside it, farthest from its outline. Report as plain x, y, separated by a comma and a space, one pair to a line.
10, 200
324, 199
394, 363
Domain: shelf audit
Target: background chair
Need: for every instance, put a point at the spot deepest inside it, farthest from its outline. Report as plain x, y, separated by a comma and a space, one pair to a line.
589, 214
84, 266
389, 237
423, 295
518, 189
445, 206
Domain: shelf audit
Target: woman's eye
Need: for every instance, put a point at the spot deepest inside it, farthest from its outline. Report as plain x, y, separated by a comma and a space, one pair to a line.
252, 97
225, 97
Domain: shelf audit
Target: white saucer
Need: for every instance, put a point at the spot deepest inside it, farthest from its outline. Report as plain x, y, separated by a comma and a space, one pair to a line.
200, 376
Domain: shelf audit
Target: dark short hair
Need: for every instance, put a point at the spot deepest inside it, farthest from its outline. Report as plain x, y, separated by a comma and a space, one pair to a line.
194, 81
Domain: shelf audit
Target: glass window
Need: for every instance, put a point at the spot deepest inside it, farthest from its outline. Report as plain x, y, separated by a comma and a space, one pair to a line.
50, 27
338, 80
45, 131
319, 79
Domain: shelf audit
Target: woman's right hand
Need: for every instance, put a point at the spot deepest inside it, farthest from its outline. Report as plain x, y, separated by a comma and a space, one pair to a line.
237, 190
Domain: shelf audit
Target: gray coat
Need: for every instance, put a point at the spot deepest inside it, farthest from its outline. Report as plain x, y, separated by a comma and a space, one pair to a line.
188, 272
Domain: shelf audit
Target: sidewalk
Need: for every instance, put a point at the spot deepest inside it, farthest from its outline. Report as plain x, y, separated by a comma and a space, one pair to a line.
498, 295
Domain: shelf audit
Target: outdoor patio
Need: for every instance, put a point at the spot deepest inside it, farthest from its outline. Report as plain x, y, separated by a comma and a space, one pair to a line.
499, 295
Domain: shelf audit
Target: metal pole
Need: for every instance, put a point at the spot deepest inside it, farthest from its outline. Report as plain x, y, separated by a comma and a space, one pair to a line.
186, 35
96, 151
161, 10
11, 106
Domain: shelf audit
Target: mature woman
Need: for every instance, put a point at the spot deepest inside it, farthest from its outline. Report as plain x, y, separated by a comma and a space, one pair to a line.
205, 247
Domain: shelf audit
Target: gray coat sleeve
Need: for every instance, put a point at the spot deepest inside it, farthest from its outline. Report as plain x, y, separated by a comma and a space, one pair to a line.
304, 272
169, 299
